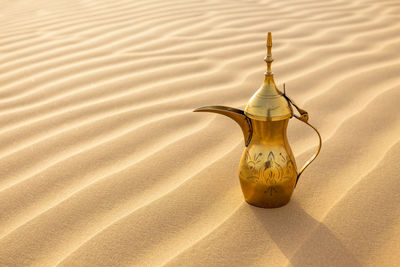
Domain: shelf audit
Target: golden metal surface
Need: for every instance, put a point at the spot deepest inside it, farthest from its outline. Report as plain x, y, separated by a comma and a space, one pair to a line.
236, 115
268, 59
267, 169
268, 103
309, 161
304, 118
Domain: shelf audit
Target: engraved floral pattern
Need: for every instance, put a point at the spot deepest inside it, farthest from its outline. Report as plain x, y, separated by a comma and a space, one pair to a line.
252, 165
270, 170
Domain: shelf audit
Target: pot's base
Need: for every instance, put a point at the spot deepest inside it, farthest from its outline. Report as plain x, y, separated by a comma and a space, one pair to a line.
267, 205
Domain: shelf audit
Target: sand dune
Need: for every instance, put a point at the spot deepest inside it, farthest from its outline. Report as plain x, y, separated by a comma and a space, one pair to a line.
102, 162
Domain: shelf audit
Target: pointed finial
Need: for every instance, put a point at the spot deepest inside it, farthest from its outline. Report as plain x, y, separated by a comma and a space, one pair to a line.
268, 59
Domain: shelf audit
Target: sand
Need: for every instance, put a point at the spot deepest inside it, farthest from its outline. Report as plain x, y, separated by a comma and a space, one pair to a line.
102, 162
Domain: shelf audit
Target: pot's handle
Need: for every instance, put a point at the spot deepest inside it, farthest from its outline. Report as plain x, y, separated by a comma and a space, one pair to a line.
304, 118
315, 154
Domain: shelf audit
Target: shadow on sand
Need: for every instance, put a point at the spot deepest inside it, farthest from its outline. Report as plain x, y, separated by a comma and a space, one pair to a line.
302, 239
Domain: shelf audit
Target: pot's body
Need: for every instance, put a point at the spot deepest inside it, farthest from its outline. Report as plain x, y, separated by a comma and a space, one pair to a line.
267, 169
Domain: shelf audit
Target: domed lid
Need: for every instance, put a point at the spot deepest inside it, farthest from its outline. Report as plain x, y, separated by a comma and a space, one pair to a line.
268, 103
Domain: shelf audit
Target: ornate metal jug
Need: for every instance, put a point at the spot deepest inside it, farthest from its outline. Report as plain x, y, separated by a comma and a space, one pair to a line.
267, 170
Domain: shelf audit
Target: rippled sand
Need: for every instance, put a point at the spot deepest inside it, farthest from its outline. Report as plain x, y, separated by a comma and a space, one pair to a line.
102, 162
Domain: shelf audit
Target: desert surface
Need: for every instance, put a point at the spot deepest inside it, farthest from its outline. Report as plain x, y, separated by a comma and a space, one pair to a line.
103, 162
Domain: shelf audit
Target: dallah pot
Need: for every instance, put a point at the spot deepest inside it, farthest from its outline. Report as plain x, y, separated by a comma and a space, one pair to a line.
267, 169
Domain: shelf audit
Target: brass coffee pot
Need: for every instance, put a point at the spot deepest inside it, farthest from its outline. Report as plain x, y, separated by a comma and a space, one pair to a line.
267, 170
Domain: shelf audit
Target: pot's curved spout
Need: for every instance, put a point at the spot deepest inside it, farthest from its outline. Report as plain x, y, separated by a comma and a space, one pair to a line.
236, 115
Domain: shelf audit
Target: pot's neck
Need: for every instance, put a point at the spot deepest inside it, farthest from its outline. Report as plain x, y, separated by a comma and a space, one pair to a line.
269, 131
